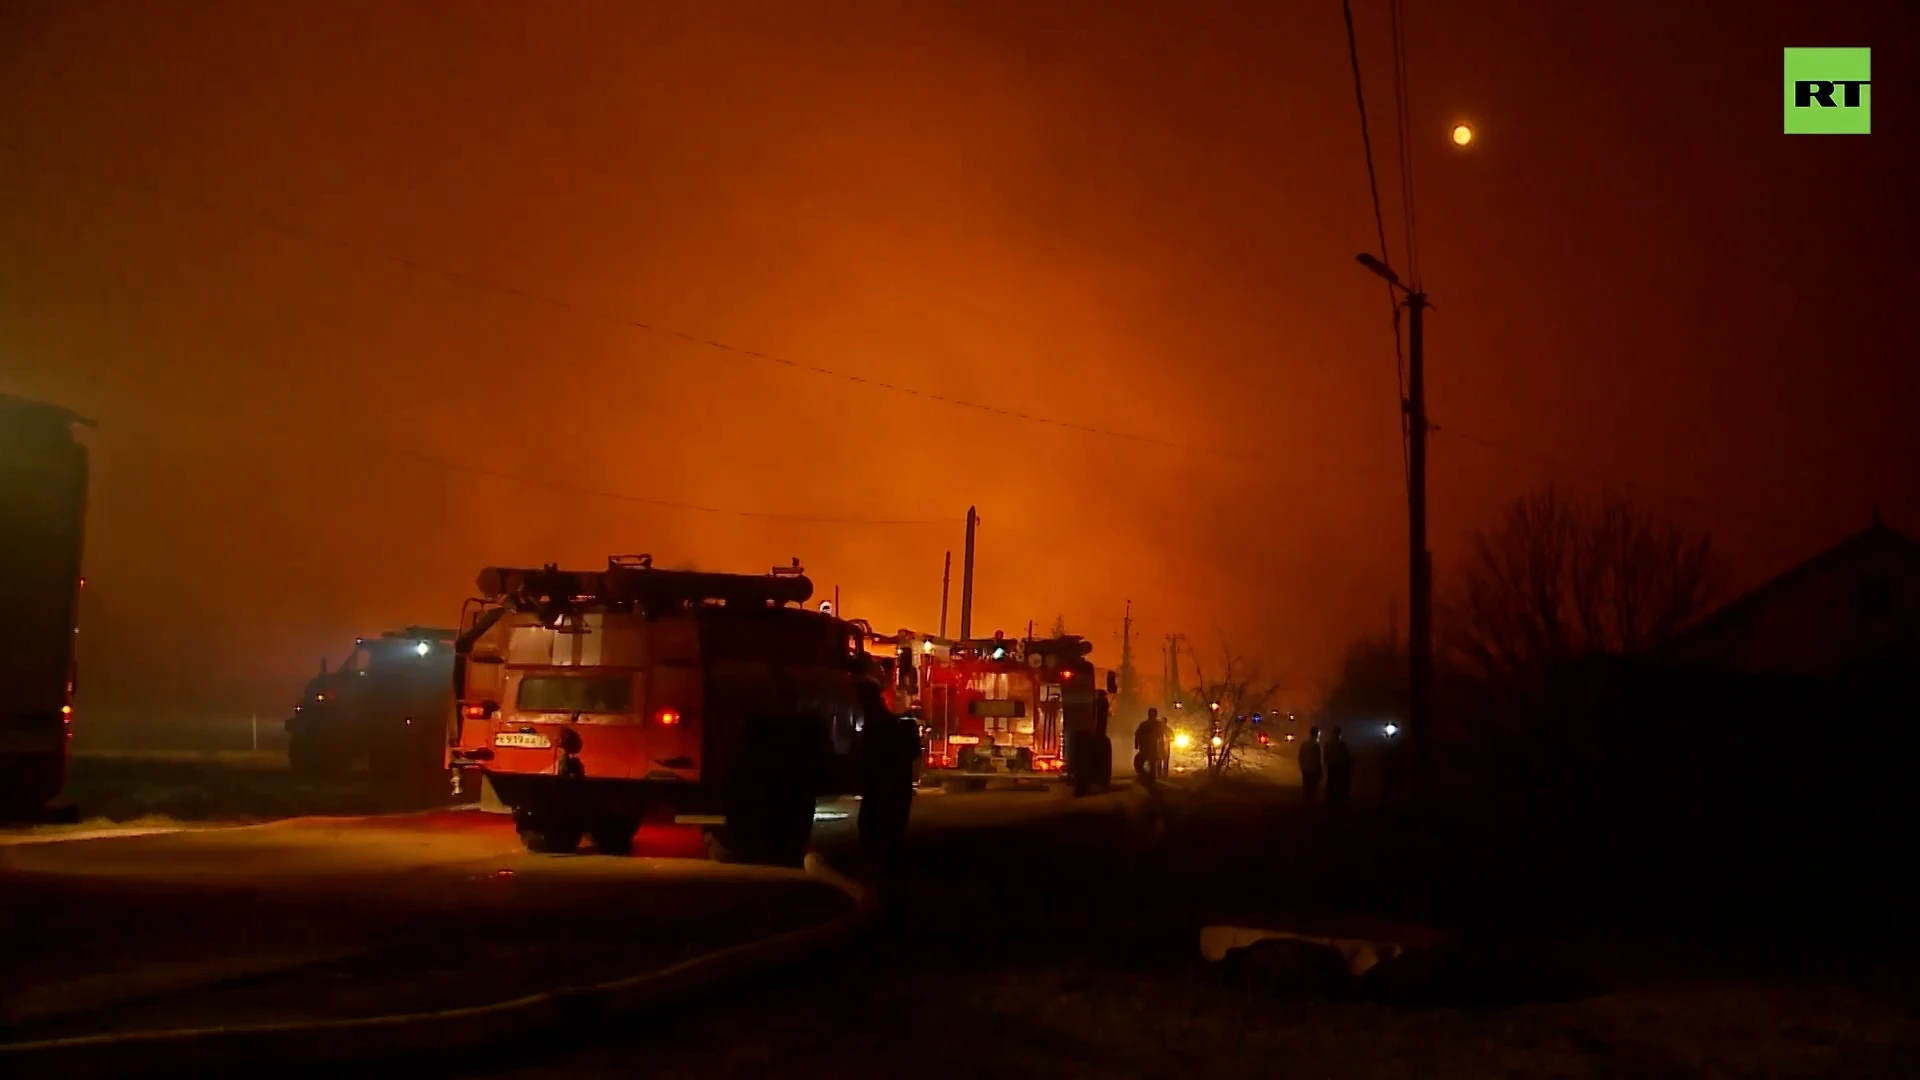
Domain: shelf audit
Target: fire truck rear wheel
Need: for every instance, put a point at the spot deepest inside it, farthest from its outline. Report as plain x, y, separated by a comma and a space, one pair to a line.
614, 837
546, 836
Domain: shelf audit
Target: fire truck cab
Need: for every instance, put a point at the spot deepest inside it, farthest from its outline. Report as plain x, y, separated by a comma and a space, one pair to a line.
590, 702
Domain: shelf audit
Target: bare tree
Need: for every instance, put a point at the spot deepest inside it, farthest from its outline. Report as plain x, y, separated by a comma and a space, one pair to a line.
1562, 578
1241, 690
1059, 627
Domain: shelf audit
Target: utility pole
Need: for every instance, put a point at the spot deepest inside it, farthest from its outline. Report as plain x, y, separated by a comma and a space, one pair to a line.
966, 579
1419, 559
946, 576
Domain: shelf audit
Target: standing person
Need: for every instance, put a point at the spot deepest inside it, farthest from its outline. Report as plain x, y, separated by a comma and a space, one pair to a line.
1148, 742
1312, 770
1339, 772
889, 746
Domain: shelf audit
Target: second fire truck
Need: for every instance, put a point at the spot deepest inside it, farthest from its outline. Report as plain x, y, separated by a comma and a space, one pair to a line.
1000, 707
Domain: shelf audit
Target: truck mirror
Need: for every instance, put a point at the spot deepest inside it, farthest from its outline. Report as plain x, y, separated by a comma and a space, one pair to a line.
1113, 682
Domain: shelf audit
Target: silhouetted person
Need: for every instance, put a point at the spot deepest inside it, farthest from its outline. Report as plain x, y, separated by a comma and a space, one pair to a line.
1102, 712
1339, 771
1312, 768
889, 745
1149, 747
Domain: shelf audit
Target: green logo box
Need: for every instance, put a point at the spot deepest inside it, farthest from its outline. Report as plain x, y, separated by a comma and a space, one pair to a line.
1829, 92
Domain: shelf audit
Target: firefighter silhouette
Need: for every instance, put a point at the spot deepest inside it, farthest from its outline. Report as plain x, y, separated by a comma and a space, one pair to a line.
889, 744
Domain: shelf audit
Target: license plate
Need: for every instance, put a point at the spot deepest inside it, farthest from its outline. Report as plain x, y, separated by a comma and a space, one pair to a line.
522, 739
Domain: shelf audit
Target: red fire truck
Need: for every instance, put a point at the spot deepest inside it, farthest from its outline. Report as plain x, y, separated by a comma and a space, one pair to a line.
43, 508
589, 702
996, 707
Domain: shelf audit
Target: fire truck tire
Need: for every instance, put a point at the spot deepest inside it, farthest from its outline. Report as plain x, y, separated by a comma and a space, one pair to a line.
1021, 761
546, 833
613, 837
551, 839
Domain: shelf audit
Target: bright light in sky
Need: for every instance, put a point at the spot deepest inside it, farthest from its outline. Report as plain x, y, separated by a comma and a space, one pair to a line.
1462, 134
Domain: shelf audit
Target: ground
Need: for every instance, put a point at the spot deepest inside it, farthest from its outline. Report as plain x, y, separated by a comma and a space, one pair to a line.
1067, 951
1025, 933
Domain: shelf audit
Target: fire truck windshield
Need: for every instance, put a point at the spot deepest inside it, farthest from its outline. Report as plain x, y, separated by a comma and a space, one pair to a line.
575, 694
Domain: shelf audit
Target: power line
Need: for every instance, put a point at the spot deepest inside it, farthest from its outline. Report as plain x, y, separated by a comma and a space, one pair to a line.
408, 454
1380, 227
1403, 110
275, 225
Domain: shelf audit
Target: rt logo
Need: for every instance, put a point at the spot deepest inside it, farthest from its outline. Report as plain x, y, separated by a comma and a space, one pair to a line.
1829, 92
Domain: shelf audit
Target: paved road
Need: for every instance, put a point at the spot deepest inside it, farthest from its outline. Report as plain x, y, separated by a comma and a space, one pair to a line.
341, 917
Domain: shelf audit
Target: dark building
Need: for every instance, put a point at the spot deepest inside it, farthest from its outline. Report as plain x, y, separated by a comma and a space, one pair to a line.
1851, 610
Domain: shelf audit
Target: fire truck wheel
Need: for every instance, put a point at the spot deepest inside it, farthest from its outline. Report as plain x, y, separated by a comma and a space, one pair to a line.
614, 837
551, 840
545, 834
1021, 761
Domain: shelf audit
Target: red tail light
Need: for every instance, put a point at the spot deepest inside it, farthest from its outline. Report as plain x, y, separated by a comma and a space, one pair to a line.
66, 714
473, 712
666, 717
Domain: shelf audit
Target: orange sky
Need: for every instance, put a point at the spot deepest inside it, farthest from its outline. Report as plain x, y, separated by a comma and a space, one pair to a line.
291, 255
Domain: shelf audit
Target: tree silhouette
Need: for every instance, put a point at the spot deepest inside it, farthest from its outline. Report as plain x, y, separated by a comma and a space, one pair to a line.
1561, 578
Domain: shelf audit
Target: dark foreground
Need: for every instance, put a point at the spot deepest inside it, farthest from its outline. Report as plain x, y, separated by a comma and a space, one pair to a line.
1021, 940
1065, 948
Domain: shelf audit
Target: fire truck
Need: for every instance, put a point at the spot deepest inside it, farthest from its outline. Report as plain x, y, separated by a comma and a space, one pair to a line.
999, 707
43, 506
385, 705
591, 702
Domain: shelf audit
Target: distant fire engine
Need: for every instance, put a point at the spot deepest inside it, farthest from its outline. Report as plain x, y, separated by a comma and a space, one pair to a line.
994, 707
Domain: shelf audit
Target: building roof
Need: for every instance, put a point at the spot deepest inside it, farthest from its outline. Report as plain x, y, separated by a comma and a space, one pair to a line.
1872, 540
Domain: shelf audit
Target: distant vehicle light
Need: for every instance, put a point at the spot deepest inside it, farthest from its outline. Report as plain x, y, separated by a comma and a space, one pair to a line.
1215, 706
666, 717
926, 647
1392, 730
1066, 674
319, 697
1218, 742
1182, 740
423, 648
1289, 736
